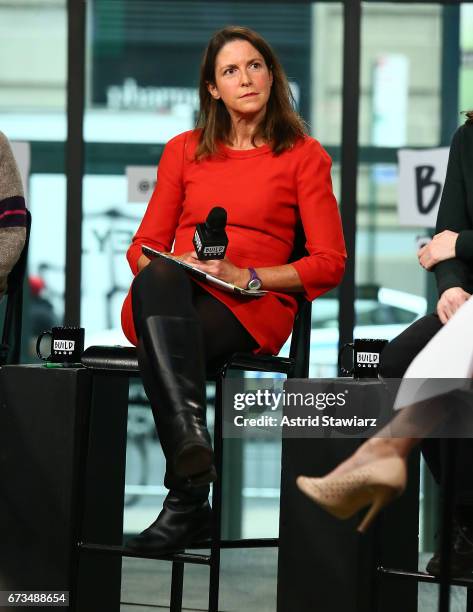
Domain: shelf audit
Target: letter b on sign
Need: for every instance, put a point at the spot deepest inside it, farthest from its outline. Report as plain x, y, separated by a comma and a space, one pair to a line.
428, 191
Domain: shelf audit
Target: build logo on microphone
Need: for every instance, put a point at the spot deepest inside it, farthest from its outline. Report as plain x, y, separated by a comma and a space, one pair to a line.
214, 250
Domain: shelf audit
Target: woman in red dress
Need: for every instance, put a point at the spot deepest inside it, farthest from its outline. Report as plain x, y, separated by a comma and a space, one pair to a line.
249, 154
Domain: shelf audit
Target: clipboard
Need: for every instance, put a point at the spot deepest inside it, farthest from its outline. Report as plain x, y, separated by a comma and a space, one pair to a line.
199, 274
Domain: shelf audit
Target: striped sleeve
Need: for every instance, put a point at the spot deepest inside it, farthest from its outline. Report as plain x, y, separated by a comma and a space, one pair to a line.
13, 212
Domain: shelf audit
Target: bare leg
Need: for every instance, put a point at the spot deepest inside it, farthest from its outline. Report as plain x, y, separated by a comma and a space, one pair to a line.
399, 437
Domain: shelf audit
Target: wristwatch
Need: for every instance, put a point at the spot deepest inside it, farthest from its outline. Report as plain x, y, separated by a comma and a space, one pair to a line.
254, 284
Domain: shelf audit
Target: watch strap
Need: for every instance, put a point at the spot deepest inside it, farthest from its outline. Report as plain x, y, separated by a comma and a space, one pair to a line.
253, 276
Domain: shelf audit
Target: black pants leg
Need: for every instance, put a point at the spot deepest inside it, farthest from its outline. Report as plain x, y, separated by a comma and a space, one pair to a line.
395, 359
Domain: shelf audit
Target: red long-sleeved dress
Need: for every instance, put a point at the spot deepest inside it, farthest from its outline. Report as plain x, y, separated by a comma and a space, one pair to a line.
264, 196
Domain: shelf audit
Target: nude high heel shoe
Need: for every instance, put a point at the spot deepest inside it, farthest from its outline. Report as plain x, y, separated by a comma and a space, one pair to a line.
374, 484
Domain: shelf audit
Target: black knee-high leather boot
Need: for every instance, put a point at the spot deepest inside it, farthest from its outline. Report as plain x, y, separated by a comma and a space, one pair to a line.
185, 519
174, 351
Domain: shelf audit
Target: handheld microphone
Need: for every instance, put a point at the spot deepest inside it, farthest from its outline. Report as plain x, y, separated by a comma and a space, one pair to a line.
210, 239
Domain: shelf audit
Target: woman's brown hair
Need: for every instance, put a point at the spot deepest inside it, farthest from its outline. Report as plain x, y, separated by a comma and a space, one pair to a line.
281, 125
469, 116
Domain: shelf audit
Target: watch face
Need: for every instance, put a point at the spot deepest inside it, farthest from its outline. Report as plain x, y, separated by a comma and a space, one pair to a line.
254, 284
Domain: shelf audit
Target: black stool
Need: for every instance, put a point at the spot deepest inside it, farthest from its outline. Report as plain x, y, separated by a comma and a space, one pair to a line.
103, 361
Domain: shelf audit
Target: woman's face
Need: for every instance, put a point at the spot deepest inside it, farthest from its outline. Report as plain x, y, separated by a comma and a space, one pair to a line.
242, 79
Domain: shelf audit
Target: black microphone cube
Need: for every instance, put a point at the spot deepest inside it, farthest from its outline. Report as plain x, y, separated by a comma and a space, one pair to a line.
210, 244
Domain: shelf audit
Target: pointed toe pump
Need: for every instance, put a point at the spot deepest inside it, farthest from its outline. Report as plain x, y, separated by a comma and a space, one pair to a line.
375, 485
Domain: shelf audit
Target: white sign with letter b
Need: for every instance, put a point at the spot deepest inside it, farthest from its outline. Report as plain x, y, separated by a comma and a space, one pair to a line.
421, 178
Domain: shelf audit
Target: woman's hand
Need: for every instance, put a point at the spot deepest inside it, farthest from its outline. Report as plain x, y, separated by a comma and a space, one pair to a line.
284, 278
223, 269
440, 248
450, 301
